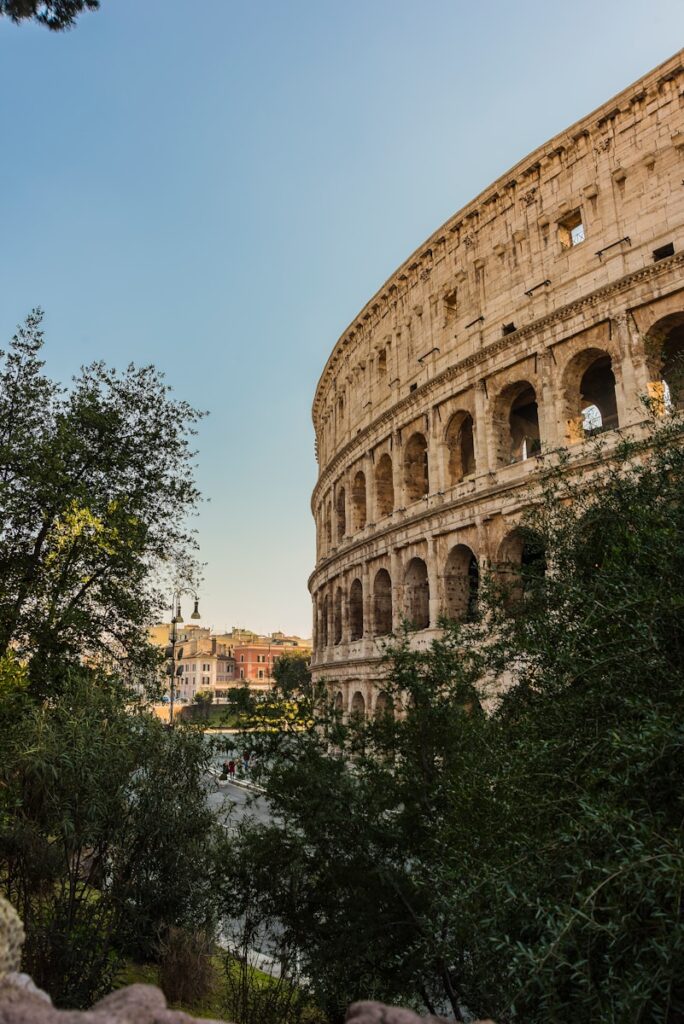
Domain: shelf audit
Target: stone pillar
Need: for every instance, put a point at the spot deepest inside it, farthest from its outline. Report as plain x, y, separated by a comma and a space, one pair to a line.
367, 601
434, 575
436, 455
398, 471
635, 376
397, 574
485, 460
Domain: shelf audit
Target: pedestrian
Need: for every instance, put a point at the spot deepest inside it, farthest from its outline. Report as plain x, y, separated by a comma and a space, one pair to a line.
231, 769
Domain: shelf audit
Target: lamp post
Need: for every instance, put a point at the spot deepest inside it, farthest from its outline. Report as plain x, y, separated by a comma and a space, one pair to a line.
176, 618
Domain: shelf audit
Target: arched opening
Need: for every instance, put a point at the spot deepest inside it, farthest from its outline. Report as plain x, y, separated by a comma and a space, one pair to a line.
417, 594
520, 419
358, 495
416, 468
358, 706
589, 388
339, 702
522, 564
356, 610
325, 620
384, 705
341, 514
665, 351
460, 444
337, 617
598, 404
382, 603
384, 487
461, 584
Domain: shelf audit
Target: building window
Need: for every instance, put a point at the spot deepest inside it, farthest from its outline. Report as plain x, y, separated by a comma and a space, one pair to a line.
261, 673
242, 658
571, 230
242, 673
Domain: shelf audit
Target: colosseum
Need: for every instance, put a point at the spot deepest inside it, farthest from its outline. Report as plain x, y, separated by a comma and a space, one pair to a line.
537, 316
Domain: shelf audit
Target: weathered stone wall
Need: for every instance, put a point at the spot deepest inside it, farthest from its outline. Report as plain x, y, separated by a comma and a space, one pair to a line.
542, 310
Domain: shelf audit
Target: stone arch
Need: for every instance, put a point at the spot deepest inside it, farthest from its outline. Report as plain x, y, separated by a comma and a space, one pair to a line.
460, 444
416, 480
325, 621
382, 603
384, 487
358, 496
461, 584
521, 561
589, 388
337, 617
358, 706
518, 423
356, 610
341, 514
384, 705
339, 702
417, 594
664, 345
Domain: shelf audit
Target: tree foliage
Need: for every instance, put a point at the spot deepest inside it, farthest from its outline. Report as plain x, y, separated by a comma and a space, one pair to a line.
96, 483
54, 14
106, 840
505, 838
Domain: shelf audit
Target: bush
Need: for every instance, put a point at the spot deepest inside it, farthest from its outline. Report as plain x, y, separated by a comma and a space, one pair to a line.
186, 969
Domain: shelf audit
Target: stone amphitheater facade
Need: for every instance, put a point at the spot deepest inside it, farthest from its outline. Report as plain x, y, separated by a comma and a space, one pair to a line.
537, 315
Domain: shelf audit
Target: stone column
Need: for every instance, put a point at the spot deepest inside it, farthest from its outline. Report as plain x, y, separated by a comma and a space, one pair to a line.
635, 376
398, 471
397, 574
367, 602
485, 457
436, 455
434, 581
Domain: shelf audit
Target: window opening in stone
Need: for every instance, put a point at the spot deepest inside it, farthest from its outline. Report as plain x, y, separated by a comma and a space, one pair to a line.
523, 422
416, 468
358, 706
597, 397
337, 617
672, 370
382, 603
522, 564
413, 387
339, 702
461, 584
461, 447
508, 328
663, 251
382, 361
571, 230
417, 594
356, 610
384, 487
384, 705
359, 501
341, 515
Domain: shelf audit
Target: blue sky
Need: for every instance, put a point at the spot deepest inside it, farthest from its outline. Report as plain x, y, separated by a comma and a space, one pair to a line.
218, 188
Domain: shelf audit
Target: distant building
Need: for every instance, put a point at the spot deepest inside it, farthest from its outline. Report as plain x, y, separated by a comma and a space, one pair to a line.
219, 662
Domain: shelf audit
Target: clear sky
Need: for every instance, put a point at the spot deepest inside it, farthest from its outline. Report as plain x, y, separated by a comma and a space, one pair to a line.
218, 187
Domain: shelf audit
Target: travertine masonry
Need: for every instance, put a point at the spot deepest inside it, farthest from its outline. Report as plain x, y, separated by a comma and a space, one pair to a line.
536, 316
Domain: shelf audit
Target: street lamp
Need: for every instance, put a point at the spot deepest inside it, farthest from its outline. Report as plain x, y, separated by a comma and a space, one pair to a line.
176, 618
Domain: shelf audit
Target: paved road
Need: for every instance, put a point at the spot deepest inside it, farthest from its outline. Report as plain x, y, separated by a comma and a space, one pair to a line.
240, 801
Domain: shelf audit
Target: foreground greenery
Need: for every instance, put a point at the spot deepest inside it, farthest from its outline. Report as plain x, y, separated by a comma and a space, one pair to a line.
519, 855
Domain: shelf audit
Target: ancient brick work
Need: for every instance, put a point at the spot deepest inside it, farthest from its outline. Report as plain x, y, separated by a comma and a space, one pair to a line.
536, 316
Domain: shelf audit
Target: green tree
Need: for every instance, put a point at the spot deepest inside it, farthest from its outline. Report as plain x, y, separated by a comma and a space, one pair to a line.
515, 852
55, 14
96, 483
106, 840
